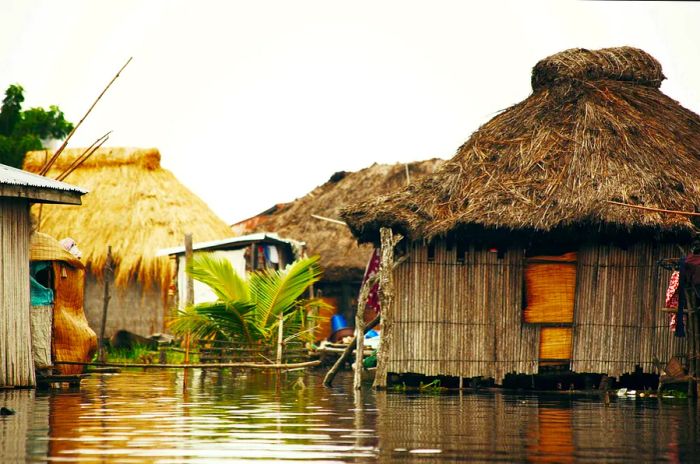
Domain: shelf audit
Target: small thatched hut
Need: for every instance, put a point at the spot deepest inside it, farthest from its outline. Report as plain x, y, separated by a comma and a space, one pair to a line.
342, 259
18, 190
516, 259
138, 208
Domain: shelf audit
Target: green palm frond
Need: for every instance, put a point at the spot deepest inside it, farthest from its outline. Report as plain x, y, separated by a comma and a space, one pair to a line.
218, 273
199, 326
276, 292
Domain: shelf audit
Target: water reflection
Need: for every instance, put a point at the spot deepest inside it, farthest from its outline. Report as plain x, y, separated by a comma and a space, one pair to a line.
167, 416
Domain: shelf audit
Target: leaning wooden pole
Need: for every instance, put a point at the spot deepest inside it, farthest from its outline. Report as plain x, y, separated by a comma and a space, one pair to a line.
386, 297
48, 165
330, 375
107, 275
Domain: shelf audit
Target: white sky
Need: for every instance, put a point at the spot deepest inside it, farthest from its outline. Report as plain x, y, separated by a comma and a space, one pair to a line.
253, 103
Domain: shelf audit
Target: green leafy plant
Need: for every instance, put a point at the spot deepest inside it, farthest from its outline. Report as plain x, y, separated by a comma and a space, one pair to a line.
249, 310
23, 131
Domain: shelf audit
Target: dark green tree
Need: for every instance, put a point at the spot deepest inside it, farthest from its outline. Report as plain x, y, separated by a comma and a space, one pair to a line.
22, 131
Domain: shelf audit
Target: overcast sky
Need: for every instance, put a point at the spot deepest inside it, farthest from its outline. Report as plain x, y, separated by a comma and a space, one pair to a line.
253, 103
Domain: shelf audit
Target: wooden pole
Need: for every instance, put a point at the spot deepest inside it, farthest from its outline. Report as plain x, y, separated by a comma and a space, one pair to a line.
48, 165
280, 338
653, 210
386, 296
250, 365
189, 289
107, 275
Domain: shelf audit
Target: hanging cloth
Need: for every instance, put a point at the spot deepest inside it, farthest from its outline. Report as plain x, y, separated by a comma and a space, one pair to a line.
680, 327
373, 296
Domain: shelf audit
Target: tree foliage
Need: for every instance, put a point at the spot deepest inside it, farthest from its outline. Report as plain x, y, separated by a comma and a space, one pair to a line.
23, 131
248, 309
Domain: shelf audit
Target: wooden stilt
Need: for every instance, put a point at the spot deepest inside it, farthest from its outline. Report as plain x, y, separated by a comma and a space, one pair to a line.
386, 296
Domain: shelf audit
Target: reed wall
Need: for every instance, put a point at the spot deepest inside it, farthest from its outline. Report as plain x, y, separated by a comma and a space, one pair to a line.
16, 363
618, 322
464, 316
461, 318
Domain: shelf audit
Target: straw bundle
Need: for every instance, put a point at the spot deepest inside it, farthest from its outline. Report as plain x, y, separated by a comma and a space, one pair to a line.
341, 257
595, 128
133, 205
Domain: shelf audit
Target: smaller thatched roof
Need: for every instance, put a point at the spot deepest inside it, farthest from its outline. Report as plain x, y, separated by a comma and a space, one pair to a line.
134, 205
341, 257
596, 128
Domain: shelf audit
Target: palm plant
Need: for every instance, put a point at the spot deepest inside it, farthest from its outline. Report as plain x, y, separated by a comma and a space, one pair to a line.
249, 310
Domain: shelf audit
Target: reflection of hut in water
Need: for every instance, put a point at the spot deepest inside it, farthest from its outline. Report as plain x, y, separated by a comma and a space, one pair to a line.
136, 207
18, 189
343, 261
60, 331
516, 260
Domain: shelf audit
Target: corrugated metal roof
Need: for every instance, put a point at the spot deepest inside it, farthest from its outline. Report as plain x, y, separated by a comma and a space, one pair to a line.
13, 176
233, 242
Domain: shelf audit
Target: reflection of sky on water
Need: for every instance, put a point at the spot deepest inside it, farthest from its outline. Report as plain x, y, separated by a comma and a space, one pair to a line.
150, 417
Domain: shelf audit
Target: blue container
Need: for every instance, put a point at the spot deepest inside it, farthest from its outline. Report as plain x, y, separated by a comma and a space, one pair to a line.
371, 334
338, 322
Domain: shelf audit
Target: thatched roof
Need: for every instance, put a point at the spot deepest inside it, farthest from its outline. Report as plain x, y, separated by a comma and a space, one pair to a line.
595, 128
341, 257
134, 205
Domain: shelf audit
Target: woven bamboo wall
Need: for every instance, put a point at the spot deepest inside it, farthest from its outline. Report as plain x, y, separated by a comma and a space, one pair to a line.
16, 364
617, 320
461, 318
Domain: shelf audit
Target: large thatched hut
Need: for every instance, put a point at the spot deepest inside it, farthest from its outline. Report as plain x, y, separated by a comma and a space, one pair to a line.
137, 208
343, 260
516, 258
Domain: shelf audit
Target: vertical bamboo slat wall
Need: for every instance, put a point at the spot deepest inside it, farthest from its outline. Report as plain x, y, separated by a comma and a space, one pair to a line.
16, 364
461, 318
465, 318
617, 320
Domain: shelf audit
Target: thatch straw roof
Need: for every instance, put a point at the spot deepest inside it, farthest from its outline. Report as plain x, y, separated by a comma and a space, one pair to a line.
341, 257
595, 128
134, 205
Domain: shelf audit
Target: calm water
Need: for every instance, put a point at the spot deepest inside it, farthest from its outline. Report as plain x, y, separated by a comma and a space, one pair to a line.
167, 417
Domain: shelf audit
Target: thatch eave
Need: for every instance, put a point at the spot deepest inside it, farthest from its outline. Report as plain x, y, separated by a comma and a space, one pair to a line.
591, 132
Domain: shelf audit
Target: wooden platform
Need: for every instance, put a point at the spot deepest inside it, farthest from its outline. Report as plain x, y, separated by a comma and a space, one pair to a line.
58, 381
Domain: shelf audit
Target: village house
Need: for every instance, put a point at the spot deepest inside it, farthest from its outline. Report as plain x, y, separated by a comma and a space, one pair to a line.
18, 190
519, 256
342, 259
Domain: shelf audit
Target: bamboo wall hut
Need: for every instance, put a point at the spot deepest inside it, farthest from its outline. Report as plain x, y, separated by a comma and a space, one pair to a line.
343, 260
60, 331
516, 260
137, 208
18, 190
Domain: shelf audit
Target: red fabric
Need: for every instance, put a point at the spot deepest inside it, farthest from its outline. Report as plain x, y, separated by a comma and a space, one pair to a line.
672, 291
372, 269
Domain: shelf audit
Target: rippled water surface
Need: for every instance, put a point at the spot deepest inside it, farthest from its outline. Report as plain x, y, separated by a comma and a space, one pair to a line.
168, 416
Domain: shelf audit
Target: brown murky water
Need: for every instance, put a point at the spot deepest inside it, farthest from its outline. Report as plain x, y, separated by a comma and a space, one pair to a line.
165, 417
